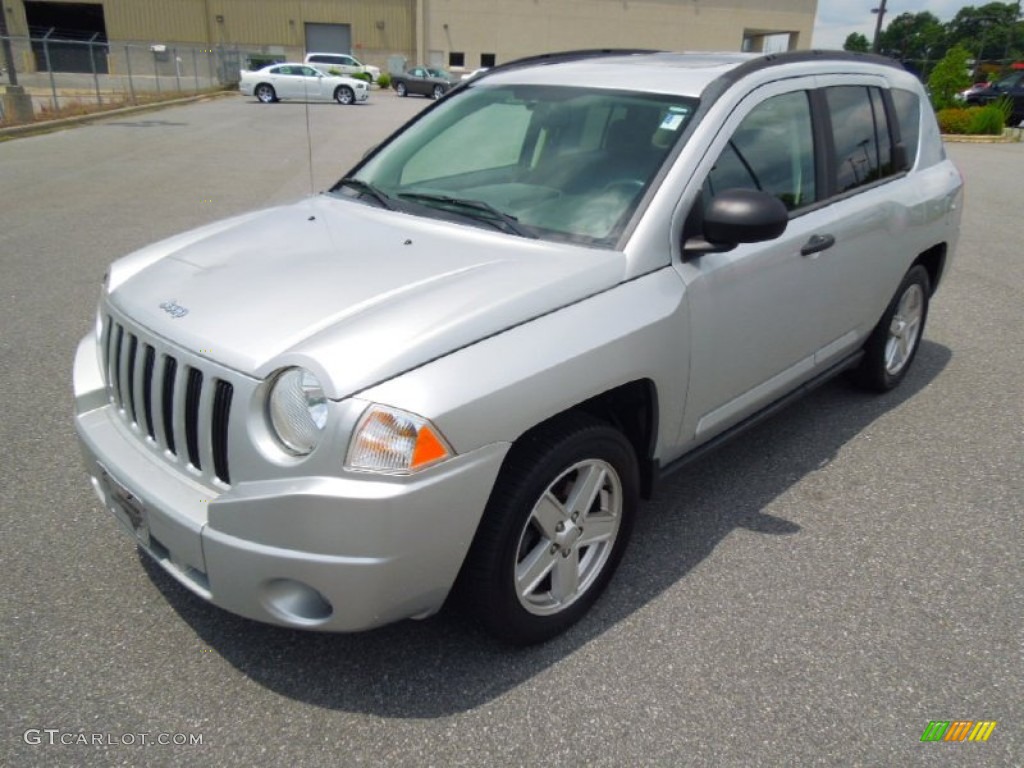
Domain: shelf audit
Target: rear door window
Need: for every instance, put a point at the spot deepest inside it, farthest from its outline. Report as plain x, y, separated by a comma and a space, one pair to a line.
860, 130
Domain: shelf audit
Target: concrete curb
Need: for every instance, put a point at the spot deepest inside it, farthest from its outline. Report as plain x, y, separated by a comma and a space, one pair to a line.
46, 126
1009, 136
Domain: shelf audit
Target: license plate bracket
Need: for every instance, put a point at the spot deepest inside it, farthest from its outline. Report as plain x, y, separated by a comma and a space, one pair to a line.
126, 505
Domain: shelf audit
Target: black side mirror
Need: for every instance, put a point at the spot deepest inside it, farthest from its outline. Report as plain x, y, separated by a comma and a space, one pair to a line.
739, 216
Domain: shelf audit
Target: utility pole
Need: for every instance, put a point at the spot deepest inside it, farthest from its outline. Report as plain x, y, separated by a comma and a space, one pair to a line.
1010, 31
880, 10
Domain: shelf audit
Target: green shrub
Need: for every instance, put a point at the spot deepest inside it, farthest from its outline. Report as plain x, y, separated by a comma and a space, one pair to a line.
986, 121
949, 77
365, 77
259, 61
1005, 106
384, 81
954, 120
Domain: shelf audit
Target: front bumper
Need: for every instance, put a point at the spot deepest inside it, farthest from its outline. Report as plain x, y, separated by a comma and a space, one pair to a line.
341, 553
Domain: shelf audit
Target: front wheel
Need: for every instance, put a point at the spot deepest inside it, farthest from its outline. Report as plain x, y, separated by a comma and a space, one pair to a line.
893, 344
344, 95
438, 92
265, 94
401, 90
554, 530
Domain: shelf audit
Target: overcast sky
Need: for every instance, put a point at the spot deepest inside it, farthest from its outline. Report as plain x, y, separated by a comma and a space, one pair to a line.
838, 18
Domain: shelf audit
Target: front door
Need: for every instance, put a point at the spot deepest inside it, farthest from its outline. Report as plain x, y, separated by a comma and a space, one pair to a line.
755, 310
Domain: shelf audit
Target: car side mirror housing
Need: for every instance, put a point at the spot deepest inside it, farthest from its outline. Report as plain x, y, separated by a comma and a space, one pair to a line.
738, 216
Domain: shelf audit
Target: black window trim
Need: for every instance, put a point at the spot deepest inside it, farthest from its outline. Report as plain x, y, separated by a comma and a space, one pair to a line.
828, 147
826, 176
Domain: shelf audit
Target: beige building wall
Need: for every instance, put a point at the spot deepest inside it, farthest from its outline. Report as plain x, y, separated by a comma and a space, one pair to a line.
422, 31
516, 28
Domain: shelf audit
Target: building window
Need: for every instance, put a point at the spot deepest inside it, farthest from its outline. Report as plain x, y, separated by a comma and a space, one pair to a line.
456, 59
487, 59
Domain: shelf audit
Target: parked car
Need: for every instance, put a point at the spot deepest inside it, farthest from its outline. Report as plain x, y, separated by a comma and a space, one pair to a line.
459, 370
301, 81
1011, 86
974, 89
342, 63
424, 81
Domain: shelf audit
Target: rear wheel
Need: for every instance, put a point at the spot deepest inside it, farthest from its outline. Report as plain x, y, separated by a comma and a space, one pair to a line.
893, 344
344, 95
401, 90
554, 530
265, 93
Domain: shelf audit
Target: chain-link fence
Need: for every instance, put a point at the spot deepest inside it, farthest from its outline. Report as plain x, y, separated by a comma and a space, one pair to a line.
65, 77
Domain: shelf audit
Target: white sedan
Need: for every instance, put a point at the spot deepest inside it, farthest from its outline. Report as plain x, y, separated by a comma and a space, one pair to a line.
301, 81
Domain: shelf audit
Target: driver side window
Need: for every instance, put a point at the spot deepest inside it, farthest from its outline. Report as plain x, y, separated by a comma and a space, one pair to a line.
773, 151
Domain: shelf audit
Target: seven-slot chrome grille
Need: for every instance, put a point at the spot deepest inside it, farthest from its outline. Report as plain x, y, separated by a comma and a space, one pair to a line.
180, 407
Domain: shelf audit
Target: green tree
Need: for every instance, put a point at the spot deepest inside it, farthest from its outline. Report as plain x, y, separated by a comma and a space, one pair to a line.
949, 77
855, 41
990, 32
913, 37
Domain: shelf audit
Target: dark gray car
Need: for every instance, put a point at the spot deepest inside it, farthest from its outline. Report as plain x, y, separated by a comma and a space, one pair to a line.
1011, 87
425, 81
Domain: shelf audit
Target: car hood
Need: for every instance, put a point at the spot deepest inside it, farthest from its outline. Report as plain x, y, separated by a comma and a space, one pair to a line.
356, 293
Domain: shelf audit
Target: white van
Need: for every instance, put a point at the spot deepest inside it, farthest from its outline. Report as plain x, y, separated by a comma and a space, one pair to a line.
345, 64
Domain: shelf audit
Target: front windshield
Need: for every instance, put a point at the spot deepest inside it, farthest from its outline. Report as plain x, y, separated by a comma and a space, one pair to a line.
438, 73
562, 163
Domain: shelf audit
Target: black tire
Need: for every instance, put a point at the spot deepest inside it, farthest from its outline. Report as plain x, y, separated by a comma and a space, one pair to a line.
344, 95
556, 555
438, 92
265, 94
892, 346
401, 90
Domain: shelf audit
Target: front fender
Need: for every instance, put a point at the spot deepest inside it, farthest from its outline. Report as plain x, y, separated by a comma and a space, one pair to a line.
498, 388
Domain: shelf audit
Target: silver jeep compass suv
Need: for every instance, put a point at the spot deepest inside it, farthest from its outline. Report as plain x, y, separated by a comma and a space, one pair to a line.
459, 369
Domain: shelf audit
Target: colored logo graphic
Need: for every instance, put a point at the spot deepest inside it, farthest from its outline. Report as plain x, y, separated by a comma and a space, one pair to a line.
958, 730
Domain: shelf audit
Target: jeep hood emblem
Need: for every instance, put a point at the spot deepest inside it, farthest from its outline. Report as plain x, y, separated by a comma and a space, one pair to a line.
173, 308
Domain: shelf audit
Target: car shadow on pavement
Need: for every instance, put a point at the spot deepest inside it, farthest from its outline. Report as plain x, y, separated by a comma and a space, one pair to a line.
445, 665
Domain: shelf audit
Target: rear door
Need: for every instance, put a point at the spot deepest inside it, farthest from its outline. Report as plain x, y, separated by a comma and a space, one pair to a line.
287, 85
871, 199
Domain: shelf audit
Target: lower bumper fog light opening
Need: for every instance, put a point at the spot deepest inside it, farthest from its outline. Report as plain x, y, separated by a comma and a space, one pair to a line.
295, 602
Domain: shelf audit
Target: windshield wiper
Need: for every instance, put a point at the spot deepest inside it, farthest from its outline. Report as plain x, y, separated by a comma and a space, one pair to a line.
473, 208
366, 188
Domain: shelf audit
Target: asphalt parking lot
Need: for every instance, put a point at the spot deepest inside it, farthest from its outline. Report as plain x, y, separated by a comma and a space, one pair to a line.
812, 594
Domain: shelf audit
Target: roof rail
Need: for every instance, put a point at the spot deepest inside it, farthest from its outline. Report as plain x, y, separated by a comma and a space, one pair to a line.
560, 57
787, 57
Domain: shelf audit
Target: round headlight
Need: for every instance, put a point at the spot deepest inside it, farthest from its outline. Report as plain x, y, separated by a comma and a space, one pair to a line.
298, 410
